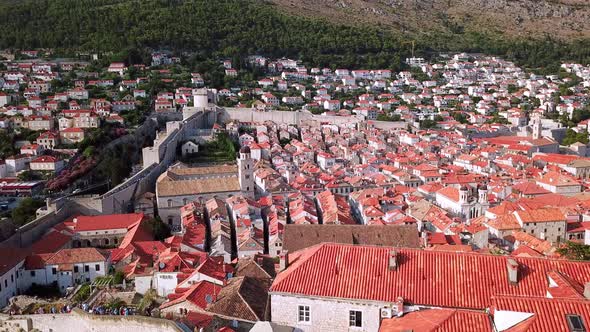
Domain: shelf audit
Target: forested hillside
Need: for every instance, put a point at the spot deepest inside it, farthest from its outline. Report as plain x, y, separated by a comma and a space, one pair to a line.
562, 19
236, 27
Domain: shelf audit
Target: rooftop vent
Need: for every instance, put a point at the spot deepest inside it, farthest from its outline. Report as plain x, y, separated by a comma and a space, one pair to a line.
392, 260
284, 262
512, 268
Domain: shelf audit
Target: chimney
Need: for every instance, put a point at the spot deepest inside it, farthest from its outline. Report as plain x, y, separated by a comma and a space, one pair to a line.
512, 267
259, 260
75, 220
392, 260
399, 306
424, 239
587, 290
284, 260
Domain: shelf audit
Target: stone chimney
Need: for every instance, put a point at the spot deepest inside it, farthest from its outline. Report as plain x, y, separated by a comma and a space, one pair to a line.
587, 290
392, 260
512, 269
399, 306
424, 236
284, 263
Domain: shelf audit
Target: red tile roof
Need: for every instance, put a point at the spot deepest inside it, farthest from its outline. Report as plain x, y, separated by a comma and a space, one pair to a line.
66, 257
137, 232
146, 250
450, 192
464, 280
45, 159
530, 188
9, 258
197, 295
438, 320
50, 243
104, 222
540, 215
549, 314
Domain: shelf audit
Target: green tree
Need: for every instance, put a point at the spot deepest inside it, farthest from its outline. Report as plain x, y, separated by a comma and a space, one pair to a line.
89, 152
6, 145
83, 293
388, 117
29, 175
460, 117
118, 278
575, 251
427, 124
572, 137
159, 229
26, 211
580, 115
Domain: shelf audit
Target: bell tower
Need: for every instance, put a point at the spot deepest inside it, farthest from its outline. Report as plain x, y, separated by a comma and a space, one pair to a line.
537, 127
246, 172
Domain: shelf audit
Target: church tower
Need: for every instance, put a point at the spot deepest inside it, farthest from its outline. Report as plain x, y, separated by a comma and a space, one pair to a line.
537, 127
246, 172
483, 194
463, 195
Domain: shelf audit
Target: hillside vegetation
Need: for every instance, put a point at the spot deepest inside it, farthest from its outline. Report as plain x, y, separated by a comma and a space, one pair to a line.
562, 19
232, 28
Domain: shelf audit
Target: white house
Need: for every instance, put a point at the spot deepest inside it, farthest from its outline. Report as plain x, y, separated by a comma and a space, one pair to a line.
332, 105
17, 163
11, 267
189, 147
4, 99
66, 268
47, 163
325, 160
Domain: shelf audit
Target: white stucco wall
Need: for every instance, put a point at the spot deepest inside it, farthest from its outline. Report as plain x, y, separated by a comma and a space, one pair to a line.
325, 314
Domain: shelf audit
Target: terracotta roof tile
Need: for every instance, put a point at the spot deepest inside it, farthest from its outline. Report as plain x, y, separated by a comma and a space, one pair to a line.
464, 280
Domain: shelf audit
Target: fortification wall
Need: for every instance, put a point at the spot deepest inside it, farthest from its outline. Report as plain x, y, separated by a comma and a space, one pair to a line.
28, 234
252, 115
117, 199
82, 322
389, 125
283, 117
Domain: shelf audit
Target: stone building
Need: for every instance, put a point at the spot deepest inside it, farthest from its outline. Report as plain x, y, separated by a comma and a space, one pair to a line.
182, 184
462, 202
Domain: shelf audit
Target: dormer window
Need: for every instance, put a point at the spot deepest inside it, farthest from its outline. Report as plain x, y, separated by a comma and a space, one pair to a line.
575, 323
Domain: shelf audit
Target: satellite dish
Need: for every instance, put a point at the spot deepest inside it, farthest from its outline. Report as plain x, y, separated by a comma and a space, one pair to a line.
208, 299
162, 265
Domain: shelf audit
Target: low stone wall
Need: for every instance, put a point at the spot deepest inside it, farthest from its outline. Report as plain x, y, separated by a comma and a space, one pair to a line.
81, 322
